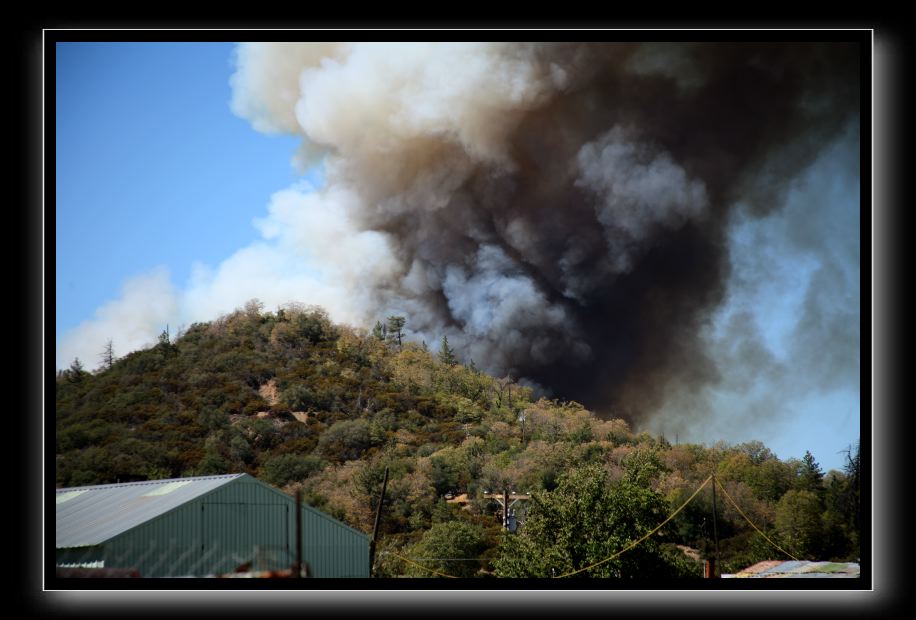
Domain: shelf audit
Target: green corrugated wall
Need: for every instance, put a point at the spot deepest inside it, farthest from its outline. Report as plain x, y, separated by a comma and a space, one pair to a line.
243, 521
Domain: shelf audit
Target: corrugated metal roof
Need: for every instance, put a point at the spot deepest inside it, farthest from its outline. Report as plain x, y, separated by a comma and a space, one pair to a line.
770, 569
91, 515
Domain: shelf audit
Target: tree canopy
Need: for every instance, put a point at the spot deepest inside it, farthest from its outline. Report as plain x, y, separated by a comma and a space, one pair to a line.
580, 526
306, 404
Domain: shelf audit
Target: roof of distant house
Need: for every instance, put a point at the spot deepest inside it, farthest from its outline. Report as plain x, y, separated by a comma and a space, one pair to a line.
769, 569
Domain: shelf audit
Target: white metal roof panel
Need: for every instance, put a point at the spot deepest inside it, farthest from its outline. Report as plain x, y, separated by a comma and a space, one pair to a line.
91, 515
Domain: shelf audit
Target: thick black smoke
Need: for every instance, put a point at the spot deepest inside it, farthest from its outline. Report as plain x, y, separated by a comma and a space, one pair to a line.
560, 211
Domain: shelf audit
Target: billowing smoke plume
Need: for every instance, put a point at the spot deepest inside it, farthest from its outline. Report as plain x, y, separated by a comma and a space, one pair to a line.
563, 212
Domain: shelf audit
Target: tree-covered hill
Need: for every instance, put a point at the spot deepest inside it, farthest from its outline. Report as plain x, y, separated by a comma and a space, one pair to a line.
301, 402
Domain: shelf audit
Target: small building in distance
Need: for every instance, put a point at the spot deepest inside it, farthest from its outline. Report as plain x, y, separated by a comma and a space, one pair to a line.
199, 527
770, 569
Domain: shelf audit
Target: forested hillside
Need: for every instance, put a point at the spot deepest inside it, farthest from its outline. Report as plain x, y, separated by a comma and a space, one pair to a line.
300, 402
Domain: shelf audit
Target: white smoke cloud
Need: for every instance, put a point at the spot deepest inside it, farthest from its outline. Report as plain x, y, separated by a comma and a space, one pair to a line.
375, 100
265, 85
147, 304
403, 127
308, 252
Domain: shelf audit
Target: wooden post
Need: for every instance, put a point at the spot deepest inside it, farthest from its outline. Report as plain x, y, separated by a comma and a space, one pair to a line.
378, 515
715, 532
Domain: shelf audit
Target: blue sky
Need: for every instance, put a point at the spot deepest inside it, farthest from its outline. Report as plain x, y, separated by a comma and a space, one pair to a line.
153, 168
163, 193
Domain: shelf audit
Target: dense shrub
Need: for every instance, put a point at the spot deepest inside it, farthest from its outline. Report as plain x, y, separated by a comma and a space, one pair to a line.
285, 468
345, 440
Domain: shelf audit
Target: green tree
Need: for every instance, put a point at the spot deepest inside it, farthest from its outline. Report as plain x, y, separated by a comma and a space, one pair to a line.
444, 473
642, 467
756, 451
212, 419
841, 514
852, 497
346, 440
584, 521
447, 548
395, 328
239, 448
446, 353
837, 535
379, 331
213, 461
285, 468
753, 464
810, 475
76, 372
165, 344
299, 398
798, 523
314, 325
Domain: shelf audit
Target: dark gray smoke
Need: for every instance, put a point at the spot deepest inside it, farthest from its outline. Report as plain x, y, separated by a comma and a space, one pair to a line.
560, 211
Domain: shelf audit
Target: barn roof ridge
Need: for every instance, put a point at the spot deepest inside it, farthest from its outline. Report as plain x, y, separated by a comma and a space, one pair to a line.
148, 482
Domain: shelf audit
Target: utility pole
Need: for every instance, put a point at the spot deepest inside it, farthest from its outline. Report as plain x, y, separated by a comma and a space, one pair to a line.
715, 532
506, 500
505, 509
378, 516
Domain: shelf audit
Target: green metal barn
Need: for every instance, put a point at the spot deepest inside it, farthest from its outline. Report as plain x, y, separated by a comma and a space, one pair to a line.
201, 526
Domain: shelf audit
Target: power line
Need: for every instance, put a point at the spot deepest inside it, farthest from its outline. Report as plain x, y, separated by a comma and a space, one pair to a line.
621, 552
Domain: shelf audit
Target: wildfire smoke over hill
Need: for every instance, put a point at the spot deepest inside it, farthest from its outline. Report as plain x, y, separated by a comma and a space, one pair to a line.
566, 212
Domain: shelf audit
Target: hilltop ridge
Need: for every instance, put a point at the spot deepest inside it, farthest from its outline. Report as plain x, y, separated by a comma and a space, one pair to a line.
303, 403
